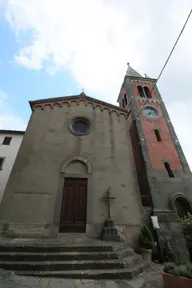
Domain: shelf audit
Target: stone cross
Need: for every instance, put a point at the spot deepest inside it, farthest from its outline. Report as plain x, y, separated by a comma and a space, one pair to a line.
108, 198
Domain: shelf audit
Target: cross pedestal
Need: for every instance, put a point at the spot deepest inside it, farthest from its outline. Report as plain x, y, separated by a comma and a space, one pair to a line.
109, 232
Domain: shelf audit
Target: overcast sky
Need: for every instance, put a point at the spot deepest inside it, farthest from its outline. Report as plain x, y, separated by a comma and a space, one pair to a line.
52, 48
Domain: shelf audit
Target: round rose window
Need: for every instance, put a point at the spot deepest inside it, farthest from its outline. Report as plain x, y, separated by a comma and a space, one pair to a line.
80, 127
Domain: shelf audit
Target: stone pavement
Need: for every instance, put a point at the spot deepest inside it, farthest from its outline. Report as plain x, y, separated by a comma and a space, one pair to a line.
151, 278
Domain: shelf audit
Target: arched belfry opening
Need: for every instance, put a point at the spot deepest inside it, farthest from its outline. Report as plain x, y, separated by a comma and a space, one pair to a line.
147, 92
183, 206
141, 92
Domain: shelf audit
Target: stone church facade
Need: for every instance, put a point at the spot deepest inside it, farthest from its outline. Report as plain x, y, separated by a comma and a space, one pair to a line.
76, 147
55, 159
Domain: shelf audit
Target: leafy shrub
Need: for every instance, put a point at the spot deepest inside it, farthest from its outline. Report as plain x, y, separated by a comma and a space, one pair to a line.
189, 267
146, 238
168, 253
178, 270
186, 223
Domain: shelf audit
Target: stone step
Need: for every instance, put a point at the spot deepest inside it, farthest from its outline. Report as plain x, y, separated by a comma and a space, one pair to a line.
126, 273
71, 265
89, 259
59, 248
64, 256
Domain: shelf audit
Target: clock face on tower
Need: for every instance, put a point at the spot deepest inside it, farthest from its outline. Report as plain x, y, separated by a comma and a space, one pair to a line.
150, 112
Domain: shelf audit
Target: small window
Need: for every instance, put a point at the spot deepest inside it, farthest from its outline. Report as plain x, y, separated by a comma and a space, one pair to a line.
169, 171
140, 90
157, 134
1, 163
7, 140
147, 92
125, 99
123, 103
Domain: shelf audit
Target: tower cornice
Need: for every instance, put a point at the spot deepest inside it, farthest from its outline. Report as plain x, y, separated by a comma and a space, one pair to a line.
141, 78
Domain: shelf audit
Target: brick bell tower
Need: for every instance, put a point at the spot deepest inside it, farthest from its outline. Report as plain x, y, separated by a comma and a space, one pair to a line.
163, 173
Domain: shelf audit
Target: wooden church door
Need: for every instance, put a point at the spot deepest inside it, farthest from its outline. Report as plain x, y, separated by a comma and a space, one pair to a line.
74, 205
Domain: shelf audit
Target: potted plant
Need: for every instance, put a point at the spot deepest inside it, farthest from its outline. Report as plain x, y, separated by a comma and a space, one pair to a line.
177, 276
146, 243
